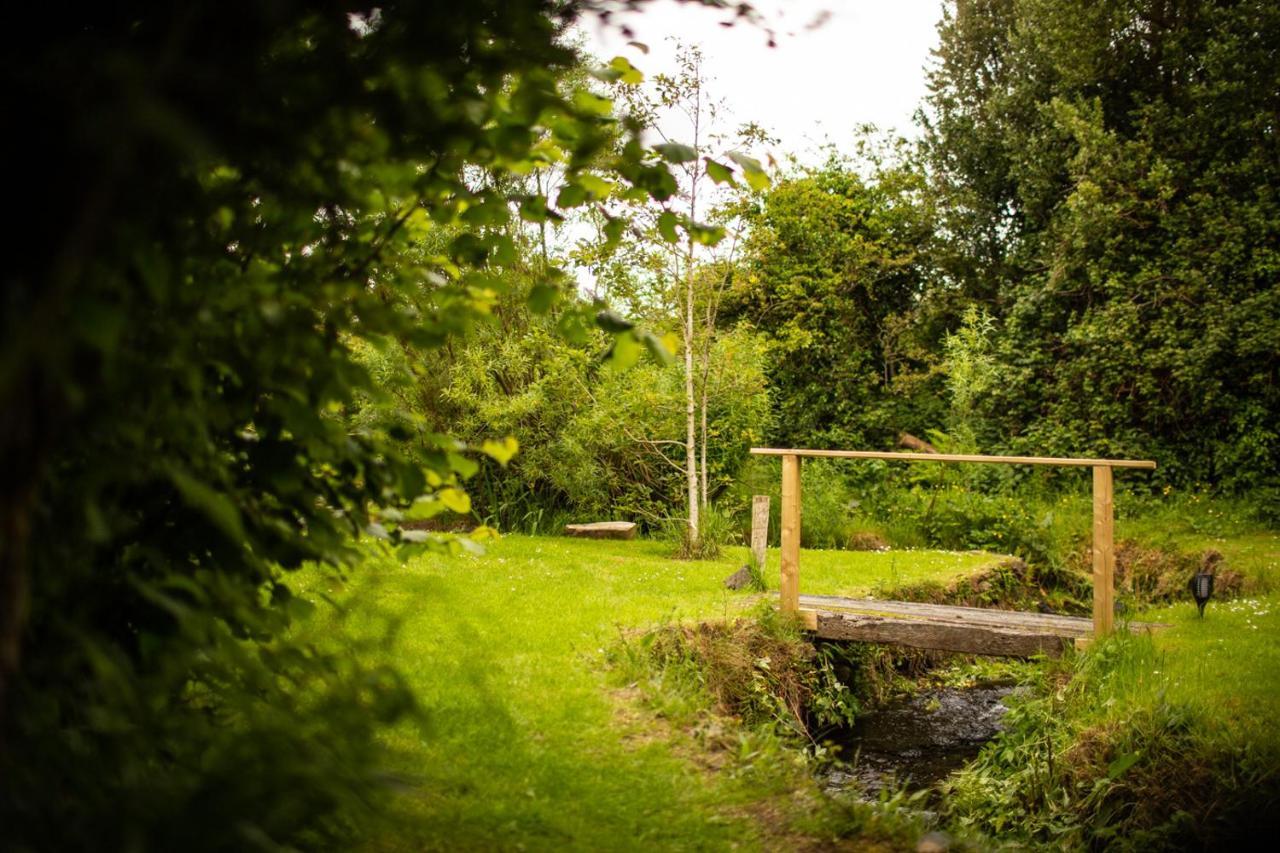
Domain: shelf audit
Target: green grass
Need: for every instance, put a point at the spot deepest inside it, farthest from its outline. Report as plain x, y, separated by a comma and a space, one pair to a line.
527, 742
1164, 740
1227, 664
523, 743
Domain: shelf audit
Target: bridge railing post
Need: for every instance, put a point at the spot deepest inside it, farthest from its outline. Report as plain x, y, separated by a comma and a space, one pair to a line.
790, 586
1104, 554
759, 531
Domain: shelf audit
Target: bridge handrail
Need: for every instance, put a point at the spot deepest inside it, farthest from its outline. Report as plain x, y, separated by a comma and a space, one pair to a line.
1066, 461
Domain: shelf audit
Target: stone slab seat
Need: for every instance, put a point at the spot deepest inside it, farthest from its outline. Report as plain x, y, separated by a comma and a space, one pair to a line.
602, 530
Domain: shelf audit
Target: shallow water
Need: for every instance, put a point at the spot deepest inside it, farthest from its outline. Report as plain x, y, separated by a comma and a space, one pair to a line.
918, 741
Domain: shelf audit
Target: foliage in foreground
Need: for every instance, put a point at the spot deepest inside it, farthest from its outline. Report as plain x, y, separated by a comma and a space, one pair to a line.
235, 194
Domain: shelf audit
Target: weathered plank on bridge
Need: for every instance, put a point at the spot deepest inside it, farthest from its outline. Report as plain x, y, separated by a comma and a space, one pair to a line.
972, 630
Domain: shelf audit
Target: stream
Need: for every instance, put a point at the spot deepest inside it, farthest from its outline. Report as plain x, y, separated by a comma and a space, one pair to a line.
918, 740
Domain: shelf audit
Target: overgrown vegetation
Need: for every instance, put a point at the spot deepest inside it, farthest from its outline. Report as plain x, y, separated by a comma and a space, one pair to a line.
230, 203
759, 670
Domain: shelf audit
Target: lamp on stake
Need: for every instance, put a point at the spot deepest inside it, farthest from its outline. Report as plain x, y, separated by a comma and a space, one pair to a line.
1201, 589
1201, 584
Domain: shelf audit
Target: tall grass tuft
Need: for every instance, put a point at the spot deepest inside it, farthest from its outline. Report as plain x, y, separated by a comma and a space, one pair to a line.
716, 530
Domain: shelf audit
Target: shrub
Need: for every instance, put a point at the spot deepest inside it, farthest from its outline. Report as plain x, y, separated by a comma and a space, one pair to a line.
759, 670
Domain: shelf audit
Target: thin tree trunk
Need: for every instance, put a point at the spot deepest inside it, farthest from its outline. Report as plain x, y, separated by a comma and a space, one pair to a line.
691, 424
542, 226
703, 448
691, 466
713, 310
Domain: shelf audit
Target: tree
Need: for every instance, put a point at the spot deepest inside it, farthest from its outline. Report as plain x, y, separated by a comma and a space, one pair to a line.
691, 278
836, 266
1104, 172
221, 199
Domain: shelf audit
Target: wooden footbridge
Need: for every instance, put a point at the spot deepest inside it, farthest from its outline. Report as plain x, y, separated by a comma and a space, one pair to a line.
974, 630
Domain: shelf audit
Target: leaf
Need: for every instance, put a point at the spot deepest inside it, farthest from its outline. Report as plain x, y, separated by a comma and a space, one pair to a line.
464, 466
614, 228
571, 195
657, 347
214, 505
597, 186
592, 104
427, 506
667, 227
719, 172
455, 499
1117, 768
628, 74
542, 296
624, 353
612, 323
534, 209
500, 451
751, 170
705, 235
675, 152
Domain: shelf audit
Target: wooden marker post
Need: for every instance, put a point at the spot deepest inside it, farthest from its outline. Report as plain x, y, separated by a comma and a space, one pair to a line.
790, 587
759, 530
1104, 553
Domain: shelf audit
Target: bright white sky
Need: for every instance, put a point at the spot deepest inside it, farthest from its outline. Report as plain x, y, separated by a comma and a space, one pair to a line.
865, 64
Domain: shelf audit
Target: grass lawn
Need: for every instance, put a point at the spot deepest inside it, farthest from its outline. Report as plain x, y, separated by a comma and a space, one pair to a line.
1226, 665
524, 744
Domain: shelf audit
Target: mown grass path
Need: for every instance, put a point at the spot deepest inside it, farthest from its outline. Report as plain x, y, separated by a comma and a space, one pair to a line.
523, 746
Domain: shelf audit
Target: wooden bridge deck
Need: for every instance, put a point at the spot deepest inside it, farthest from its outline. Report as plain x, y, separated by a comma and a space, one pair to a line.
973, 630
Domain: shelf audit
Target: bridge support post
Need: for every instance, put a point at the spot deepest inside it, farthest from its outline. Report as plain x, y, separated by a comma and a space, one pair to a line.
790, 586
759, 530
1104, 554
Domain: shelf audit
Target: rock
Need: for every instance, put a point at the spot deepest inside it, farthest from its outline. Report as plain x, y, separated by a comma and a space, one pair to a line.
602, 530
1016, 566
934, 842
741, 579
867, 541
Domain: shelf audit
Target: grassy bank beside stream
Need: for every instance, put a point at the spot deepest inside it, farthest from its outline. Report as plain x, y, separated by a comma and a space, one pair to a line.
524, 743
526, 740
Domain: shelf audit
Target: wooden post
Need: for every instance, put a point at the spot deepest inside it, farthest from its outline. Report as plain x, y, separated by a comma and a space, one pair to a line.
790, 586
1104, 554
759, 530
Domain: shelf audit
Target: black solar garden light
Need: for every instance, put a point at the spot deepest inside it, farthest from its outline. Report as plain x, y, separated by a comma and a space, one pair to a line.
1201, 584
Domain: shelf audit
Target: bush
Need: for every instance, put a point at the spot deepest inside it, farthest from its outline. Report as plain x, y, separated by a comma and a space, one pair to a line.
759, 670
